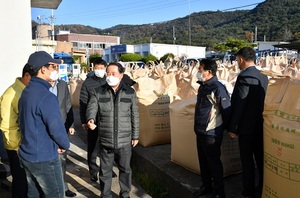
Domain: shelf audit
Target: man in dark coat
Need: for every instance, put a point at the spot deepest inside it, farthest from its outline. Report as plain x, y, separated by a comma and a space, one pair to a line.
247, 102
118, 127
94, 79
212, 113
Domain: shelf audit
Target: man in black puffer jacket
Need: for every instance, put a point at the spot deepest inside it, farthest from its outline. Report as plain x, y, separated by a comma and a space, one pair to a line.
94, 79
116, 105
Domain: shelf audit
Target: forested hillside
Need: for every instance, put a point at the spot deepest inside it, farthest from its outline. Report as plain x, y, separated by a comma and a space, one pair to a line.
276, 20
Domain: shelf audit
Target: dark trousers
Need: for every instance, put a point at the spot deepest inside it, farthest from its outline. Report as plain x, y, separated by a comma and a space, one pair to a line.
251, 151
63, 160
92, 151
211, 166
122, 158
19, 181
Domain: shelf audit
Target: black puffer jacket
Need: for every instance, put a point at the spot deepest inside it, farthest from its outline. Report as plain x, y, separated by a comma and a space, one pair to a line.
89, 84
118, 115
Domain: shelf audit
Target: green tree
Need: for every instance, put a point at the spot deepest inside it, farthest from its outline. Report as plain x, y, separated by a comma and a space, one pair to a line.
233, 45
164, 57
296, 37
130, 57
148, 58
84, 67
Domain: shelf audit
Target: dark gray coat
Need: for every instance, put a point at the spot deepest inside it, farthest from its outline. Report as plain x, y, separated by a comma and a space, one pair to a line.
65, 106
118, 117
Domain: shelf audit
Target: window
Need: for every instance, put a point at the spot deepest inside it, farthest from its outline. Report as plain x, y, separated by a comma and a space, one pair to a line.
89, 45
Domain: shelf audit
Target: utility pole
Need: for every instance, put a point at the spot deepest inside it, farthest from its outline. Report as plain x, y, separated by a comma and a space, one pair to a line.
174, 38
52, 24
38, 32
255, 34
190, 34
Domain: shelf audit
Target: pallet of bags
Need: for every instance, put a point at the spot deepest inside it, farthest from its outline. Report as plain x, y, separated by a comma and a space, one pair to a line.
154, 96
282, 138
183, 140
75, 87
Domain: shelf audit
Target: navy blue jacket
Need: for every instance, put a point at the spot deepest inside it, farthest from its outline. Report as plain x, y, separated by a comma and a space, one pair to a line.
212, 109
40, 123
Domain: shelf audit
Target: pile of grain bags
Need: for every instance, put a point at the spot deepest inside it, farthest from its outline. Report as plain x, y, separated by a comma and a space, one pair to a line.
282, 138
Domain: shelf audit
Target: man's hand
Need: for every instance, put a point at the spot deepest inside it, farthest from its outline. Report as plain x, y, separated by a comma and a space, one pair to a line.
60, 151
84, 126
91, 125
134, 142
232, 135
71, 131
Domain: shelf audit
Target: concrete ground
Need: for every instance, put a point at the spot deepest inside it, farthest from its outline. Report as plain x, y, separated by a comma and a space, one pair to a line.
155, 162
78, 177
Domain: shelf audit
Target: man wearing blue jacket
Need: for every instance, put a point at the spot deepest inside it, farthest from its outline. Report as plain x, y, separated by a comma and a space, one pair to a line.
43, 132
212, 113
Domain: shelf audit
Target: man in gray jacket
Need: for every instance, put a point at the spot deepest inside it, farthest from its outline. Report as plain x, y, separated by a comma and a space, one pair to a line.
118, 127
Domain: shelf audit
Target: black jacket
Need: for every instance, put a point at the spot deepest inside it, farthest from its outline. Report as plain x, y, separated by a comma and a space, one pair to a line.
247, 102
89, 84
118, 117
212, 109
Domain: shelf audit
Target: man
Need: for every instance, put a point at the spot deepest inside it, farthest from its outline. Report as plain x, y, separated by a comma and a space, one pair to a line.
94, 79
246, 121
43, 132
212, 112
60, 89
118, 127
11, 132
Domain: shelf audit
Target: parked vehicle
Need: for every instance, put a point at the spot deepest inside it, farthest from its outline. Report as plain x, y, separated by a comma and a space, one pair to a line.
192, 61
132, 64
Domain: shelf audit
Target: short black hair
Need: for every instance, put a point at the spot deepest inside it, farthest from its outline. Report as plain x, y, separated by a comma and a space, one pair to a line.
209, 64
28, 69
120, 67
247, 53
99, 61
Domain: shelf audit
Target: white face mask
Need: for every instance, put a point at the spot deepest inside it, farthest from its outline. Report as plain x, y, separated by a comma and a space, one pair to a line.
112, 81
99, 73
200, 77
54, 75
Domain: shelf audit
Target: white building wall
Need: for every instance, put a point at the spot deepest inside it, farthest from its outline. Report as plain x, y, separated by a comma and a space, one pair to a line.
160, 50
130, 49
15, 19
265, 45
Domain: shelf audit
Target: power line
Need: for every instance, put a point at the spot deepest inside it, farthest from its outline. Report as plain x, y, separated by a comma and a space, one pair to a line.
240, 7
125, 11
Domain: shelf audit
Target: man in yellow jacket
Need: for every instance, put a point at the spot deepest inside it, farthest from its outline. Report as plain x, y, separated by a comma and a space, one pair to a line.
10, 130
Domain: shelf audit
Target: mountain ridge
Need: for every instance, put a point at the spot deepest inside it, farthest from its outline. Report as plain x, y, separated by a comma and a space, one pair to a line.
275, 20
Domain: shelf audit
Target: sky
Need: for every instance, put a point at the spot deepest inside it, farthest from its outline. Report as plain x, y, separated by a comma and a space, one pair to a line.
105, 14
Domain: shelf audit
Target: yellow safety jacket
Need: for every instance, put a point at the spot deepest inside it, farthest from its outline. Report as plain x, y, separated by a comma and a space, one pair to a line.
9, 123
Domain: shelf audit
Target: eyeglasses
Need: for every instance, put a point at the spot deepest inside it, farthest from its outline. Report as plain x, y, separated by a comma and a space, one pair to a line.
54, 66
